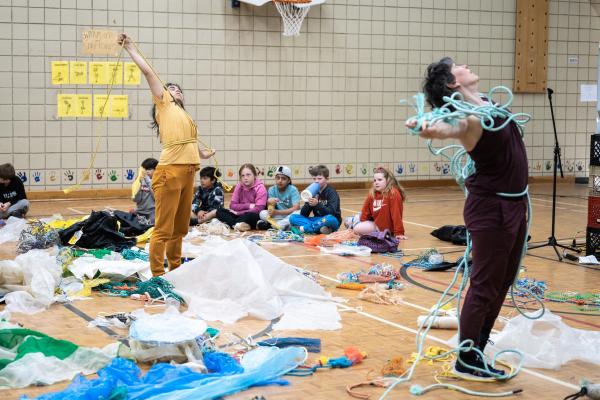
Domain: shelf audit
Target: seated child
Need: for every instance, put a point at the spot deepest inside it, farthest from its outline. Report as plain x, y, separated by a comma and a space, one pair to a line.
208, 198
248, 200
142, 193
284, 200
383, 207
13, 200
325, 206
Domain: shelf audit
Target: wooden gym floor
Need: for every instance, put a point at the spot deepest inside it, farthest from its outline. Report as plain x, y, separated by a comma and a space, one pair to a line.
383, 331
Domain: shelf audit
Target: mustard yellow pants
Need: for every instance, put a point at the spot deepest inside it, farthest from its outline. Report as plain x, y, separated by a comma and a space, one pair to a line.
173, 187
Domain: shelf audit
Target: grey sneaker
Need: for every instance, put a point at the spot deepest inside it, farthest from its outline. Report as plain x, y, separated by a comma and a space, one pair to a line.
242, 227
325, 230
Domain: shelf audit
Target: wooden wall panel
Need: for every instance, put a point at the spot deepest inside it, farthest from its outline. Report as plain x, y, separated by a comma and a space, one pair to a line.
531, 46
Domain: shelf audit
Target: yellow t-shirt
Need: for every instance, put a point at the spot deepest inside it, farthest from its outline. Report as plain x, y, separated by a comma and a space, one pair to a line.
175, 125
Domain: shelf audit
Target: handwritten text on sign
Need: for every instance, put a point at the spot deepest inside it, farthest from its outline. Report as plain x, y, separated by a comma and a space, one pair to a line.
100, 43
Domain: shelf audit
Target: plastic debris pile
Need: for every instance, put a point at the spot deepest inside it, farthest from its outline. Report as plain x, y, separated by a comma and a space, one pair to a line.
380, 284
37, 235
276, 236
426, 259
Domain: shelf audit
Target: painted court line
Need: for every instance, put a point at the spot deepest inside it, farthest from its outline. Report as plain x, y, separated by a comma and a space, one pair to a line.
405, 221
560, 202
76, 211
305, 255
436, 339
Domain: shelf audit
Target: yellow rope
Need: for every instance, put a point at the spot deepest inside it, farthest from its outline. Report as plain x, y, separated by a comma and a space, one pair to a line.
86, 174
447, 372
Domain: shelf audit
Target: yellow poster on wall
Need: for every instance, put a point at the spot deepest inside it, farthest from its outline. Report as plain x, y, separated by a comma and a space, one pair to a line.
115, 73
84, 105
78, 72
60, 72
132, 74
101, 106
119, 106
66, 106
98, 73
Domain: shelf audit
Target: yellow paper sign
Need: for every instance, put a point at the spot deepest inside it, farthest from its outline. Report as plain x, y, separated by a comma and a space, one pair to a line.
98, 73
66, 105
60, 72
78, 72
115, 73
97, 42
84, 105
101, 106
132, 74
119, 106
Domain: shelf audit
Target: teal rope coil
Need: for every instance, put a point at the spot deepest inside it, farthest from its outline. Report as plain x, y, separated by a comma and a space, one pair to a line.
461, 167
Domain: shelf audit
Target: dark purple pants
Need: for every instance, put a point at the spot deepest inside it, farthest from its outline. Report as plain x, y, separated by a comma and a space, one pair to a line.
497, 227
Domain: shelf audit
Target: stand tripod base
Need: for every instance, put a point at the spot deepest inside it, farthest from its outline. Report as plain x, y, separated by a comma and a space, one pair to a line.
552, 242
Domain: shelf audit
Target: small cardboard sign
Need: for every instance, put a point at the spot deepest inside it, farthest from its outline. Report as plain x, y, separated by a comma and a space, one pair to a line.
96, 42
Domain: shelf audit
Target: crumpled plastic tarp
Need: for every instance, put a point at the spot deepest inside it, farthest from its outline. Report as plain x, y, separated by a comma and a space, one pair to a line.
31, 280
229, 280
36, 359
12, 230
261, 366
168, 336
167, 327
116, 270
546, 342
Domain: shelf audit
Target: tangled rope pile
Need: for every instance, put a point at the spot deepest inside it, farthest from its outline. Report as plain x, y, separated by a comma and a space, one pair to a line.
455, 109
276, 236
155, 288
37, 235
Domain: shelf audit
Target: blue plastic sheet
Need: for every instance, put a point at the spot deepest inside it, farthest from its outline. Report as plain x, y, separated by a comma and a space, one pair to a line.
122, 379
311, 345
222, 363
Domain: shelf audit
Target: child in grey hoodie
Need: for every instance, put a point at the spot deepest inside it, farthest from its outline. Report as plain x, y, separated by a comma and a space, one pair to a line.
144, 197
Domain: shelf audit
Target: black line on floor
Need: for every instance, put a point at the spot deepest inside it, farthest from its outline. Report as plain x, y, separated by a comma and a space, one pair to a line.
104, 329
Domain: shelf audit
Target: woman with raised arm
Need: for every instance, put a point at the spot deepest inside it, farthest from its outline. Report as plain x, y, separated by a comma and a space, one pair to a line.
173, 180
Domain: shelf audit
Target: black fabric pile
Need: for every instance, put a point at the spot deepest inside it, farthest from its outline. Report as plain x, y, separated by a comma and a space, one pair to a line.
457, 234
103, 230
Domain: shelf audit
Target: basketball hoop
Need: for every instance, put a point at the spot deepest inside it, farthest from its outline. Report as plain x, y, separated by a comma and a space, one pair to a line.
293, 13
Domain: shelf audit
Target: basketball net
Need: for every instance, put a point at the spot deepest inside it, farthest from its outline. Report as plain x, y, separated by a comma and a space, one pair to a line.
292, 15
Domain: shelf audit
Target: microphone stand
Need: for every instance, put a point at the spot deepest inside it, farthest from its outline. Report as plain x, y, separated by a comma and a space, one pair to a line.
552, 242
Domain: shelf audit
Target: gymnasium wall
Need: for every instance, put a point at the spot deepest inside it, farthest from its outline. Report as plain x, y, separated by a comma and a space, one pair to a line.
329, 96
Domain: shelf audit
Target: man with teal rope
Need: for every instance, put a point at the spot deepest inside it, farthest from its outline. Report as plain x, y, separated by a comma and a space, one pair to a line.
497, 223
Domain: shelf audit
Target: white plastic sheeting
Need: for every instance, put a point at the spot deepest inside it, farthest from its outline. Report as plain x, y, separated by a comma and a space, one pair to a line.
12, 230
31, 279
167, 327
546, 342
88, 267
229, 280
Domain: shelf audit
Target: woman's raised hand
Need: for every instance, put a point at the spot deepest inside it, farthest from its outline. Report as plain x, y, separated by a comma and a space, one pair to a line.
123, 39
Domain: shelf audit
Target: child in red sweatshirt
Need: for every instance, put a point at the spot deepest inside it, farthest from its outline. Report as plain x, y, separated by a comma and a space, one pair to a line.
382, 208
